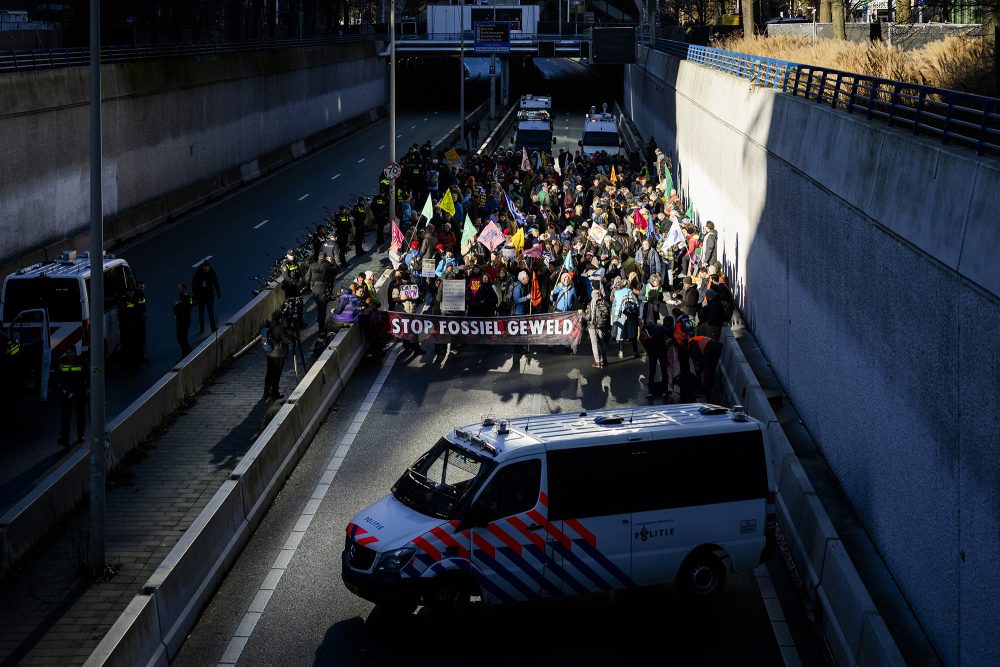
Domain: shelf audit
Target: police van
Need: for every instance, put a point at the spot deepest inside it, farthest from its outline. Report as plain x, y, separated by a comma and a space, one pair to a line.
564, 505
54, 296
600, 133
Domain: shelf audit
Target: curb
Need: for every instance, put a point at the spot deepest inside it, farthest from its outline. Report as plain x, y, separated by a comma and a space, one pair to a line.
156, 622
855, 631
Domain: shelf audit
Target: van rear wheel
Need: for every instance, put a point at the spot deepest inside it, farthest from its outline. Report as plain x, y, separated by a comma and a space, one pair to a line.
452, 596
702, 577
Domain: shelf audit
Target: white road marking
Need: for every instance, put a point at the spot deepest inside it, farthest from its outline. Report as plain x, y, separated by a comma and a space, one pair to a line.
413, 127
381, 147
201, 261
361, 160
303, 196
261, 224
333, 178
399, 136
425, 120
266, 589
435, 113
772, 605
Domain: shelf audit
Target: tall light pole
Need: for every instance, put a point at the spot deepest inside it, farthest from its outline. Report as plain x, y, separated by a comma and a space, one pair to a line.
392, 108
97, 440
461, 68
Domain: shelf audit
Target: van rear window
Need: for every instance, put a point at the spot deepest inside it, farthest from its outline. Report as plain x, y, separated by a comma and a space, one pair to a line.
60, 295
662, 474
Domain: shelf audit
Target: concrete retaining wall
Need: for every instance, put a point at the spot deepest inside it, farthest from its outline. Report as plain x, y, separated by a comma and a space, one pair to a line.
864, 260
157, 621
177, 132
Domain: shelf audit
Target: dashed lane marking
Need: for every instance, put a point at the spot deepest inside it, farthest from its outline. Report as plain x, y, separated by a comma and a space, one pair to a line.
333, 178
201, 261
266, 589
381, 147
261, 224
303, 196
361, 160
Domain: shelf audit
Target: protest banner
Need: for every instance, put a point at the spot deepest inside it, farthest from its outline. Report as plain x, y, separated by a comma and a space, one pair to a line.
427, 267
544, 329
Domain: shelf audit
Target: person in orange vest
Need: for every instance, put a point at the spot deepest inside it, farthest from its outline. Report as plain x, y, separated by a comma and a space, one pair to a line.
705, 353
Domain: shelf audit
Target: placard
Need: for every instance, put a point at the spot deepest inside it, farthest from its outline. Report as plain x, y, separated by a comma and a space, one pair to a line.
453, 296
409, 292
427, 268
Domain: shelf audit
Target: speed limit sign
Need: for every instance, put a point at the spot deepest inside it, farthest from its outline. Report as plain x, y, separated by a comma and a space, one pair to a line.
392, 170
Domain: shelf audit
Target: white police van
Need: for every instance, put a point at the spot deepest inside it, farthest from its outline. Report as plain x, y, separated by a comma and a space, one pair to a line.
600, 133
61, 288
563, 505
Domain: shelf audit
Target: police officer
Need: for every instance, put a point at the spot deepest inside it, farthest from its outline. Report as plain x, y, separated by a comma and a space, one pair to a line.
320, 277
182, 318
292, 274
343, 225
72, 382
276, 342
318, 239
359, 214
380, 210
132, 326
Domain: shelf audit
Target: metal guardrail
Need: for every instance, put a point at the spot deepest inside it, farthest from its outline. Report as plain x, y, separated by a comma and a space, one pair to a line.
951, 116
15, 61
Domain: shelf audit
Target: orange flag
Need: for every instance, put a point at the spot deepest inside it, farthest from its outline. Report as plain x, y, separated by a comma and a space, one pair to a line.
536, 292
614, 177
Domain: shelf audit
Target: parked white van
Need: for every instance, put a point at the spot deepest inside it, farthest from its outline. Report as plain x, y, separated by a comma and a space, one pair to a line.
562, 505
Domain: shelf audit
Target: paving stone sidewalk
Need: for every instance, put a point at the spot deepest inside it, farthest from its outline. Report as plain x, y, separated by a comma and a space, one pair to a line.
53, 614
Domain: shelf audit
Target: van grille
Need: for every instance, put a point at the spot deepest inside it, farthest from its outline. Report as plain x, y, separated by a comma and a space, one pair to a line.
359, 556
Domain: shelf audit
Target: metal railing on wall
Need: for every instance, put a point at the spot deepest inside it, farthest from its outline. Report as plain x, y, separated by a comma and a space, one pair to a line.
14, 61
951, 116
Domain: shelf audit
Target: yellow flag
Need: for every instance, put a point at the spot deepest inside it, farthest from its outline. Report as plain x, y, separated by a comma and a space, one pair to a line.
614, 178
447, 203
517, 240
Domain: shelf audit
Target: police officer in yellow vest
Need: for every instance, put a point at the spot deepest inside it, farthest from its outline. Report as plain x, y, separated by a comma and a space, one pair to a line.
132, 325
73, 383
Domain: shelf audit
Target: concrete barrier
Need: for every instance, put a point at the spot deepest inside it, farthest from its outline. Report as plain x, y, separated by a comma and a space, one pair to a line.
854, 630
140, 646
187, 577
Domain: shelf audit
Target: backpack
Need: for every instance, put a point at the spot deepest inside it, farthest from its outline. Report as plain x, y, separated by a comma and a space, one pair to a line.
630, 306
267, 339
602, 314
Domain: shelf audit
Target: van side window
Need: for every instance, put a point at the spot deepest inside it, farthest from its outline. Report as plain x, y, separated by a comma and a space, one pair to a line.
589, 481
114, 286
513, 489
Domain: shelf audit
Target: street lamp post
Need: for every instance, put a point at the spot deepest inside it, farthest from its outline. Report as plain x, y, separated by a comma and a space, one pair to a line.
97, 439
392, 107
461, 71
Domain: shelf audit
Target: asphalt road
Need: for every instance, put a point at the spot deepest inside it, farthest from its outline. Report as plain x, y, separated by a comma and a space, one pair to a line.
284, 602
234, 234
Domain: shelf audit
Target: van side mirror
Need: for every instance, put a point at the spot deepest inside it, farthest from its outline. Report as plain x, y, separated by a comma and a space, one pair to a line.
580, 143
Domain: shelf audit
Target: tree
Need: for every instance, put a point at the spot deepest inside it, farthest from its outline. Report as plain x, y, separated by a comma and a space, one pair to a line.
902, 11
837, 12
747, 19
825, 15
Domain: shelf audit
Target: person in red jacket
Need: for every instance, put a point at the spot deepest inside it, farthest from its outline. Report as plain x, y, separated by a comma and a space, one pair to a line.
705, 353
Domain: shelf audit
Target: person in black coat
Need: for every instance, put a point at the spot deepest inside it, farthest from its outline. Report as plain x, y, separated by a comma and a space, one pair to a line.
205, 290
182, 318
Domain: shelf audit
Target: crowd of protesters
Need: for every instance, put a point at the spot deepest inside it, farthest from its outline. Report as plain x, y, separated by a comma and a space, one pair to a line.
605, 235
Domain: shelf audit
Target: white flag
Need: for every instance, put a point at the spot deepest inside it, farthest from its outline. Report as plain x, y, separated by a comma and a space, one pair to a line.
674, 235
428, 211
556, 165
525, 162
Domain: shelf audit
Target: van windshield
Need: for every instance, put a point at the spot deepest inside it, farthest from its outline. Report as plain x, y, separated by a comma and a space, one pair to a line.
600, 139
60, 295
440, 480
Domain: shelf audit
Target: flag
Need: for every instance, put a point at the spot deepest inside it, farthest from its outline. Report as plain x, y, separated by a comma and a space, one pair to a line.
491, 236
538, 161
597, 233
513, 210
555, 165
447, 203
614, 177
674, 235
689, 213
536, 292
428, 211
397, 237
639, 220
668, 182
649, 231
517, 240
469, 232
568, 262
525, 162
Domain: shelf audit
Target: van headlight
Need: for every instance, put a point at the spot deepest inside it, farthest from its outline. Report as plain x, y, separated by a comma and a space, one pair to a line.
392, 562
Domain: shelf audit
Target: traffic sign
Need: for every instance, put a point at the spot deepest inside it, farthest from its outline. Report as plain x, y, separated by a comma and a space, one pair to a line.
392, 170
491, 37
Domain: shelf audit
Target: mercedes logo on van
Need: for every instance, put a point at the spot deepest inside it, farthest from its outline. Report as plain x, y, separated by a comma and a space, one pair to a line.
351, 550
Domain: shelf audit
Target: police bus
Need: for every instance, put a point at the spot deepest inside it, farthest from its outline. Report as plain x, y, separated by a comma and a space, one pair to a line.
563, 505
600, 133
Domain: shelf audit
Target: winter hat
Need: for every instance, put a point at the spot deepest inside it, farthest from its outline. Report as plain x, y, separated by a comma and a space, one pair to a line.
414, 245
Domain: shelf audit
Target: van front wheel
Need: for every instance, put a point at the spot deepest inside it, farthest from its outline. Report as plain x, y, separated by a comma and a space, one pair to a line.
452, 596
702, 577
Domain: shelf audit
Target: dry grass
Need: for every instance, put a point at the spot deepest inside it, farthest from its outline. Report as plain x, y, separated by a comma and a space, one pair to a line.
955, 63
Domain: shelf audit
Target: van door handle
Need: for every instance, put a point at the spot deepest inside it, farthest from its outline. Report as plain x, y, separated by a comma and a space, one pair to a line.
534, 526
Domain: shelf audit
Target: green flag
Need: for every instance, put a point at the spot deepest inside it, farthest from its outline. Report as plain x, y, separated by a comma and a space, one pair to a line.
668, 183
428, 211
689, 214
468, 233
